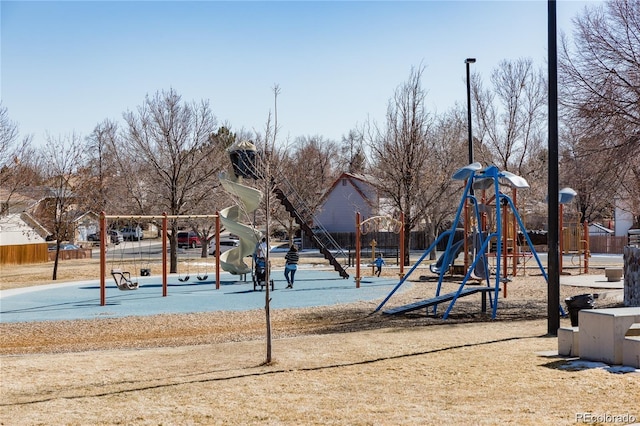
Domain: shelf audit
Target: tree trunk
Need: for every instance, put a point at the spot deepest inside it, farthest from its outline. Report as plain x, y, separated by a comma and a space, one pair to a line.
631, 276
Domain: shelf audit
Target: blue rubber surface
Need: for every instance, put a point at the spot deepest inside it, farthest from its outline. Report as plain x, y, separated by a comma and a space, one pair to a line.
81, 300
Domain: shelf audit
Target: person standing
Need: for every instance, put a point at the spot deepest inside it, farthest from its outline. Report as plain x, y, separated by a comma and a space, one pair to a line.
378, 262
291, 264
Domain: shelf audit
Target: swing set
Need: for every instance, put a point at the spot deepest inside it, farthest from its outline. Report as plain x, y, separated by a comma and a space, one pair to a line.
123, 278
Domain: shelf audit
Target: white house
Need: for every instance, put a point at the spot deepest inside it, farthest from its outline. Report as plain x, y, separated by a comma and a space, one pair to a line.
350, 193
19, 229
623, 216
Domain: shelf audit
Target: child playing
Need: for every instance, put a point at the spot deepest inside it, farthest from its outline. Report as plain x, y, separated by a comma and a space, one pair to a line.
378, 262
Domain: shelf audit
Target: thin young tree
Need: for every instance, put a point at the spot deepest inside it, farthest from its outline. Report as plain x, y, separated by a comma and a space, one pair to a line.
64, 157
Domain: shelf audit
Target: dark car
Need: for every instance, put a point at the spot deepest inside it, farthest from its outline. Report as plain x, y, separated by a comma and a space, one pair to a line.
188, 239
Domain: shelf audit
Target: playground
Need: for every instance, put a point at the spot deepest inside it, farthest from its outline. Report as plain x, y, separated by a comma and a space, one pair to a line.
332, 364
180, 351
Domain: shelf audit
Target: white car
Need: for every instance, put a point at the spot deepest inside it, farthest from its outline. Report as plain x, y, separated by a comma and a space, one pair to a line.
225, 244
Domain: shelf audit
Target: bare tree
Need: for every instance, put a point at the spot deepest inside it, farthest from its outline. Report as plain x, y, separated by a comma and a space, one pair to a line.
352, 156
169, 140
586, 175
17, 158
103, 188
64, 157
600, 83
447, 138
510, 115
401, 154
217, 197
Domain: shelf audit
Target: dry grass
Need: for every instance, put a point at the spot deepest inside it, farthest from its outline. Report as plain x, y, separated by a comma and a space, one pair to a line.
331, 365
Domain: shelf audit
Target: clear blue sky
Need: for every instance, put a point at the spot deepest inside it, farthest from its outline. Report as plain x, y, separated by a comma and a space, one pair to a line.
66, 66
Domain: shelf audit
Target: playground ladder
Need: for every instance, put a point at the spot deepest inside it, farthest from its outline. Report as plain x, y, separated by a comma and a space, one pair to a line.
298, 210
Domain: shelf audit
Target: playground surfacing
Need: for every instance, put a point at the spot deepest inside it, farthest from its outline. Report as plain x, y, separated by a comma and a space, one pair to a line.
81, 300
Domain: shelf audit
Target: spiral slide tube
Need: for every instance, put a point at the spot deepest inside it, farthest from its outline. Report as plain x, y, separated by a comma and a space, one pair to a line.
233, 260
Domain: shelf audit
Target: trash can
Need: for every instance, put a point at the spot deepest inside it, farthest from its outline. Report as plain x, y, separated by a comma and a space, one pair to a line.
576, 303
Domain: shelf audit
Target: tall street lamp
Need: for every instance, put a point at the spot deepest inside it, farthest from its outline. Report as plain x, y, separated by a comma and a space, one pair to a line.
467, 249
469, 61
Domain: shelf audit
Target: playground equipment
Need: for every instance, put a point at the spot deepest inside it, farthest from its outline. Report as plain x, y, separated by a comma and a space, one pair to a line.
376, 223
244, 158
248, 200
574, 234
123, 278
446, 259
476, 179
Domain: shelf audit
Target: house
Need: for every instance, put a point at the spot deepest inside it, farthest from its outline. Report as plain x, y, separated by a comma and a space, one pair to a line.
85, 224
623, 216
22, 239
350, 193
596, 229
21, 228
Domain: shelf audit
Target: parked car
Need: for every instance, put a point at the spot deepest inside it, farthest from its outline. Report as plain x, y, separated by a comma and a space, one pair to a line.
188, 239
114, 236
132, 233
225, 245
67, 246
64, 246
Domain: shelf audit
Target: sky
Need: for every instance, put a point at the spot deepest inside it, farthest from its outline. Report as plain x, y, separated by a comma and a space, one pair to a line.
66, 66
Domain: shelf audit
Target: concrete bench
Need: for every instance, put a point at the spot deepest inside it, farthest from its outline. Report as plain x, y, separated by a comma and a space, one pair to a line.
602, 333
613, 274
568, 341
631, 347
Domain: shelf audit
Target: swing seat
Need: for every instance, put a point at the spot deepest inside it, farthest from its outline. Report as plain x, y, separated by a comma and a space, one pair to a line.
123, 280
203, 277
145, 272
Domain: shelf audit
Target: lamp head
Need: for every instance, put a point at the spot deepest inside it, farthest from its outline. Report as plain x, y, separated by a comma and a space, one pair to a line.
470, 60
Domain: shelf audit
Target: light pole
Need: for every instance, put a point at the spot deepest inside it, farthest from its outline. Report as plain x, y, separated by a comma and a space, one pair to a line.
467, 62
467, 249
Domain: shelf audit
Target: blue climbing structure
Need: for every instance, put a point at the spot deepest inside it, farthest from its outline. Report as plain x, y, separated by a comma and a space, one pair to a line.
477, 179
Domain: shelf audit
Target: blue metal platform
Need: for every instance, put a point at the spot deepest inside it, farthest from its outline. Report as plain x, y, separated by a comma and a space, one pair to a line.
441, 299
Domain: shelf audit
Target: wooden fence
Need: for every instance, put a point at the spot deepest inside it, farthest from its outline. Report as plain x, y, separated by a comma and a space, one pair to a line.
607, 244
24, 254
603, 244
